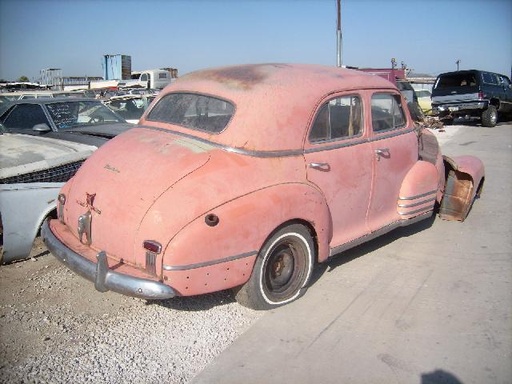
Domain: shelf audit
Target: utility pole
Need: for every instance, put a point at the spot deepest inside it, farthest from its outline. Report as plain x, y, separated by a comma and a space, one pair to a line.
338, 34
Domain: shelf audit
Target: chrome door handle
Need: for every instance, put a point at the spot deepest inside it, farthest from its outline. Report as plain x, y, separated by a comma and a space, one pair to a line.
325, 167
382, 152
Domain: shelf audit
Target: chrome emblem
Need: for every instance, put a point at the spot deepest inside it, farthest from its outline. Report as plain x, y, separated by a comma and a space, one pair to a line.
89, 202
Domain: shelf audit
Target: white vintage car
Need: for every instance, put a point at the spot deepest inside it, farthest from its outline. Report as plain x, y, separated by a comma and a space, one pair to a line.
32, 171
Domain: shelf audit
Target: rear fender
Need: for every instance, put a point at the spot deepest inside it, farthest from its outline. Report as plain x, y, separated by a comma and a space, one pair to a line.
419, 190
217, 250
465, 176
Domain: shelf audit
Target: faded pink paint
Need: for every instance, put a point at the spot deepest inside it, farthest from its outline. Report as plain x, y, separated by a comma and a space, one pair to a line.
154, 183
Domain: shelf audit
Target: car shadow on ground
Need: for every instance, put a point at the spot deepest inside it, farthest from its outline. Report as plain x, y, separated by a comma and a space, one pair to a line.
196, 303
208, 301
351, 254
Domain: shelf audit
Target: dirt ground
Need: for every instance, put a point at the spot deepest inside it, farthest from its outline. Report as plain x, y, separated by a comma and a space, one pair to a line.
42, 285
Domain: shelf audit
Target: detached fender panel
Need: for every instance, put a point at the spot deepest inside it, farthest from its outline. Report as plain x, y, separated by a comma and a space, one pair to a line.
23, 208
465, 177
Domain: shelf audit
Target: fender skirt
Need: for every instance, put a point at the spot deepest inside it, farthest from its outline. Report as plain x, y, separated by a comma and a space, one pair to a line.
464, 183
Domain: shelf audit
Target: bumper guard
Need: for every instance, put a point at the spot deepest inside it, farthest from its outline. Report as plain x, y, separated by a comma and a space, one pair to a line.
104, 279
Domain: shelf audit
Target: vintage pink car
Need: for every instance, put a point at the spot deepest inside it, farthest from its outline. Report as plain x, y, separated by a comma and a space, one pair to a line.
245, 177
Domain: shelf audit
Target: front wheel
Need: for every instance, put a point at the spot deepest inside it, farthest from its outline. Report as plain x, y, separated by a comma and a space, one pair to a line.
490, 116
282, 270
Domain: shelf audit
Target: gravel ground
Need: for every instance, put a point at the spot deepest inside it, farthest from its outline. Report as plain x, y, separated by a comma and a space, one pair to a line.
55, 328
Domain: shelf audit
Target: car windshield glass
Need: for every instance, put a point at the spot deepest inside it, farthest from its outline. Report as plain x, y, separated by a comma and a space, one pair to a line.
195, 111
75, 113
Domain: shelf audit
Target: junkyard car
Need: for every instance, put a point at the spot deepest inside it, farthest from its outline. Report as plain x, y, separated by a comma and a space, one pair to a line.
130, 106
82, 120
425, 101
244, 177
32, 171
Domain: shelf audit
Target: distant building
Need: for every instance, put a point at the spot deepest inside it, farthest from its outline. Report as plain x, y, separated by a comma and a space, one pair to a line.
117, 72
117, 67
51, 77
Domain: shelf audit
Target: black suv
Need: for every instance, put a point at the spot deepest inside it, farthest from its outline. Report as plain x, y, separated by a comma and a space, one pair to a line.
472, 94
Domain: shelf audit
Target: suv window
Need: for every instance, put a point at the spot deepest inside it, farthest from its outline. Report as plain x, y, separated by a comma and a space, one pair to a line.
338, 118
387, 112
504, 81
25, 116
489, 78
456, 80
195, 111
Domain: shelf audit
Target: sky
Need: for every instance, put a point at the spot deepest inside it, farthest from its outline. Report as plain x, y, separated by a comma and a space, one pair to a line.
428, 36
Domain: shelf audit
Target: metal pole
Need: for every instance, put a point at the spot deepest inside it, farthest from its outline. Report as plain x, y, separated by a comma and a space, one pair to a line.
338, 34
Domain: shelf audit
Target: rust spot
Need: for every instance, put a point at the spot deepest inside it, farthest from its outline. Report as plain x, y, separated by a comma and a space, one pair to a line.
458, 196
240, 77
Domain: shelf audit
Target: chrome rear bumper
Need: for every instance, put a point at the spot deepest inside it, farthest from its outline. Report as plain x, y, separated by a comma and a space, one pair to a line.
103, 278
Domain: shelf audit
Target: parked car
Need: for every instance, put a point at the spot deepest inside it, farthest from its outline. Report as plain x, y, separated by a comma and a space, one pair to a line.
472, 94
130, 106
82, 120
33, 170
424, 100
245, 177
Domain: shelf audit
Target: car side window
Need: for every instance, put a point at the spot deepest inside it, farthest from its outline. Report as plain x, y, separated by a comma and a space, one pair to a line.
387, 112
489, 78
338, 118
25, 116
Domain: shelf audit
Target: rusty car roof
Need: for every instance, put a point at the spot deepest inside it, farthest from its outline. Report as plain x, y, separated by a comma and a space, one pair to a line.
274, 102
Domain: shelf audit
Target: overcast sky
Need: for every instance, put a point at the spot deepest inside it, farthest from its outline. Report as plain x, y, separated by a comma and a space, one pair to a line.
429, 36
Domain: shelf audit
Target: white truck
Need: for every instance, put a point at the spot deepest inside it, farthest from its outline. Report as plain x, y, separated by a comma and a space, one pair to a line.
150, 78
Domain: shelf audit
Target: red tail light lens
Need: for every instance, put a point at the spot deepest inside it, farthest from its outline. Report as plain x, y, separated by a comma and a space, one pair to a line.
152, 246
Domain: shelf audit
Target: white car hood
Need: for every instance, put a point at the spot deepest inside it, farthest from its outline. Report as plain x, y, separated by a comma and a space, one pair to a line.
23, 154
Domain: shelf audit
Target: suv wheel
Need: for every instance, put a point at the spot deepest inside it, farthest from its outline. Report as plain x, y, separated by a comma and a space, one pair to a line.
490, 116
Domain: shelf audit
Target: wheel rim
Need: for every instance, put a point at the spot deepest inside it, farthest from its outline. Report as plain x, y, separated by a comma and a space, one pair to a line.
494, 117
286, 269
280, 268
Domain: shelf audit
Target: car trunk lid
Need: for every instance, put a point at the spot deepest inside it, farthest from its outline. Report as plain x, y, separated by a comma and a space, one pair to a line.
119, 184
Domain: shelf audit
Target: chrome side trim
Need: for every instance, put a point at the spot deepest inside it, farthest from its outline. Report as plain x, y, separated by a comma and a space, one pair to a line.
288, 152
431, 200
363, 239
240, 151
104, 279
432, 192
208, 263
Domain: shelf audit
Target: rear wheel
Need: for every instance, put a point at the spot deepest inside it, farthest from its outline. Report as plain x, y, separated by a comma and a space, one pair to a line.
490, 116
282, 270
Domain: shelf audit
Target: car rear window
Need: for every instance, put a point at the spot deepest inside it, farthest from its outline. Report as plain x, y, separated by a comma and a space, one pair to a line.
195, 111
456, 80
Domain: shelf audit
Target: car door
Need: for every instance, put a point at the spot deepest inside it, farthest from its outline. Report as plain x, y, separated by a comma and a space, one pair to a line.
394, 146
339, 162
506, 100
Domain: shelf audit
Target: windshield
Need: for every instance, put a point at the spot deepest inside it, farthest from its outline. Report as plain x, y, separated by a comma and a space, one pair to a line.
74, 114
195, 111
